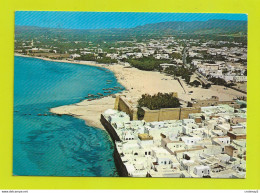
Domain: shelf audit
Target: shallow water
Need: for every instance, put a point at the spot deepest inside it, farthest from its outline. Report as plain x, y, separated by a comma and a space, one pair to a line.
49, 145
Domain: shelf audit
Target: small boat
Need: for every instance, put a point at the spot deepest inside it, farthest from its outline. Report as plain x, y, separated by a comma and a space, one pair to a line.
100, 94
107, 91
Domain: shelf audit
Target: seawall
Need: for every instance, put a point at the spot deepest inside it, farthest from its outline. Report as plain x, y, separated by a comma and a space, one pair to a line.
121, 169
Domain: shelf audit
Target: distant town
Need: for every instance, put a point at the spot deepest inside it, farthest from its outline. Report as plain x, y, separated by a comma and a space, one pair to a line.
213, 62
186, 118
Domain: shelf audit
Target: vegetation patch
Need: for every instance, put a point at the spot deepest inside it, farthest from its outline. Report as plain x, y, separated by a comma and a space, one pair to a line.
157, 101
147, 63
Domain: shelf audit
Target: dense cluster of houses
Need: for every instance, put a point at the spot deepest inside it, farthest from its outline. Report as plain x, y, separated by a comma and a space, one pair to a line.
225, 60
210, 144
159, 49
229, 64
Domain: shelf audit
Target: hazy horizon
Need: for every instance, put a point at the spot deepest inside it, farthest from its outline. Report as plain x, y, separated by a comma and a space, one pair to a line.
111, 20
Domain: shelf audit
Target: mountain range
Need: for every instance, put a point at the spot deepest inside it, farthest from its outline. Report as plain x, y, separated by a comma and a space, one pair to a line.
210, 27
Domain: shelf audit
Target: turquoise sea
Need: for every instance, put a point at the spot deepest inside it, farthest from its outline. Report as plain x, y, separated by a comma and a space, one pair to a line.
45, 144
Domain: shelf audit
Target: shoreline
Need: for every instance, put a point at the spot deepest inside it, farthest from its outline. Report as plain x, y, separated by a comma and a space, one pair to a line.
73, 109
89, 63
80, 62
136, 82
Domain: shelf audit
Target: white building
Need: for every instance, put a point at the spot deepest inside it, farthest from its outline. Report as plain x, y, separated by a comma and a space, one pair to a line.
74, 56
190, 140
240, 79
202, 171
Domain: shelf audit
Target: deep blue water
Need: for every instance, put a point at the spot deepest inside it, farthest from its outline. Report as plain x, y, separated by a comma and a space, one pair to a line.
54, 145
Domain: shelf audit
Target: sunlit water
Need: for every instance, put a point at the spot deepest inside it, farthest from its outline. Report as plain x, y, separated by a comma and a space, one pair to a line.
49, 145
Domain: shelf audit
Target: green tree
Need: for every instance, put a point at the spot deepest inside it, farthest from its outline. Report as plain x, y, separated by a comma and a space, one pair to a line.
146, 63
243, 105
157, 101
206, 86
195, 83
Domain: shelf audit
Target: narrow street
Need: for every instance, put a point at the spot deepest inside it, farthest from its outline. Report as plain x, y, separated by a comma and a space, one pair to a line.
201, 77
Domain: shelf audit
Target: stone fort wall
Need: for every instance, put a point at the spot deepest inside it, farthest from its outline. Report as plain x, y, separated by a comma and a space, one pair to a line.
169, 113
121, 104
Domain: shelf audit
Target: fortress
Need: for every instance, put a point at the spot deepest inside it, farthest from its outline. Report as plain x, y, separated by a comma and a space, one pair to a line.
163, 114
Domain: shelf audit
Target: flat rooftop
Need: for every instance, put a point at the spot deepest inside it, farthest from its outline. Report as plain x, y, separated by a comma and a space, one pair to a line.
145, 136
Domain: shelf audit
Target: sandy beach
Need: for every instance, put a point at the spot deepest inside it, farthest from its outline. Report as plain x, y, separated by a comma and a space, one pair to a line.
136, 82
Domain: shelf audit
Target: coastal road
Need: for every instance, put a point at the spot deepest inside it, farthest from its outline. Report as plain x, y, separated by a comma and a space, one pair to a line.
201, 77
184, 56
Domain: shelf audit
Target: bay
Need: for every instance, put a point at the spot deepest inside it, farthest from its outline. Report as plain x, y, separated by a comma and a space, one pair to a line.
51, 145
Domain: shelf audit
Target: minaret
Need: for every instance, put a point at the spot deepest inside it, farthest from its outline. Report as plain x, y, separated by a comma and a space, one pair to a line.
32, 43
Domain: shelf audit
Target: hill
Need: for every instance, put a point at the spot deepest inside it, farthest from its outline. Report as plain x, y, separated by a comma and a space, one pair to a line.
177, 28
212, 26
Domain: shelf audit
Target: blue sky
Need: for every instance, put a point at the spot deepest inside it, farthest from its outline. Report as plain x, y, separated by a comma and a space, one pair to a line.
102, 20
